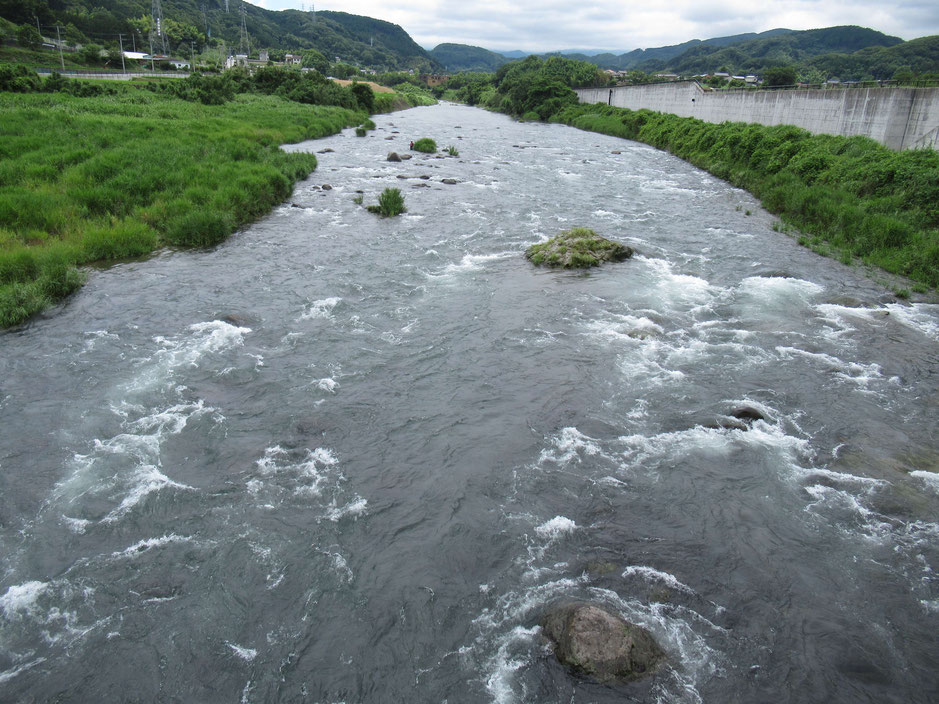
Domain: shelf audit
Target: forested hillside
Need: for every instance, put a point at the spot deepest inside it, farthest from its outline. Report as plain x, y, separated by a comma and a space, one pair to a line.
756, 55
461, 57
359, 40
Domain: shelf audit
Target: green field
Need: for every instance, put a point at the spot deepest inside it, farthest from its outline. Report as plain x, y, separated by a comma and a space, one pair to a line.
106, 178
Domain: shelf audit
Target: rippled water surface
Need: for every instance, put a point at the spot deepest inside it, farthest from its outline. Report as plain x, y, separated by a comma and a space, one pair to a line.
347, 459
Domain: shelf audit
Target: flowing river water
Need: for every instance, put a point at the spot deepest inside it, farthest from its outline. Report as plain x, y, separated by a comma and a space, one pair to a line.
349, 459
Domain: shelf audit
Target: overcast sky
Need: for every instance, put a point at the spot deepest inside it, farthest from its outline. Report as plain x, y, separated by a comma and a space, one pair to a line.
545, 25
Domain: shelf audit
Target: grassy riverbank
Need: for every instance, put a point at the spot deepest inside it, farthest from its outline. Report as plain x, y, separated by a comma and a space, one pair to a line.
850, 196
100, 179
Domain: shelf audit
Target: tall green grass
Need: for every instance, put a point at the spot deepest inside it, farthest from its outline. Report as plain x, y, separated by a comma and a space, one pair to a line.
858, 197
114, 177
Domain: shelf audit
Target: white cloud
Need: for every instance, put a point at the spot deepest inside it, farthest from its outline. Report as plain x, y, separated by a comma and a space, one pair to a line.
544, 25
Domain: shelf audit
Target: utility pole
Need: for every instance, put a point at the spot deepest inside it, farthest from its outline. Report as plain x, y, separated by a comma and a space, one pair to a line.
192, 58
58, 36
156, 13
120, 38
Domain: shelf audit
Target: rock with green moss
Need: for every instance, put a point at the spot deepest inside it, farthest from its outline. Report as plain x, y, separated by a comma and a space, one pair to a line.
595, 643
577, 248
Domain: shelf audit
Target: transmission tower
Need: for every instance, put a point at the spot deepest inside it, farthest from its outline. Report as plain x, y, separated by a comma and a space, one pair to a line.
245, 42
156, 12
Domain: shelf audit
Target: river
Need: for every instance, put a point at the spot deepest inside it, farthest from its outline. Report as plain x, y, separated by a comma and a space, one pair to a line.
342, 458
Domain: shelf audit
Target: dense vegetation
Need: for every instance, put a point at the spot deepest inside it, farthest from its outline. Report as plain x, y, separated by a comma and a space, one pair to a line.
851, 196
537, 88
426, 145
353, 39
917, 58
461, 57
134, 167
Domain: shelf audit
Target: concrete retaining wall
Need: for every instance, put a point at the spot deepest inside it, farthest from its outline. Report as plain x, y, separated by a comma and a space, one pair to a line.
900, 118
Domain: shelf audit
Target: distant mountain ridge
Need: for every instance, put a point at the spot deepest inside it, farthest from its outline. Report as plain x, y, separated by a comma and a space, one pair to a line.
749, 52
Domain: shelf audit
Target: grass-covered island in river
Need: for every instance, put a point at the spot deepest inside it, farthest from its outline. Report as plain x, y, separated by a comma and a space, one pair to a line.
130, 168
577, 248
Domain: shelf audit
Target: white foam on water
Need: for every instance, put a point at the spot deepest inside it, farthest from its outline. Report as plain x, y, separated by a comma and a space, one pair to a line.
8, 675
142, 546
778, 288
569, 445
930, 479
473, 262
922, 317
20, 599
861, 375
76, 525
717, 440
665, 186
93, 337
322, 308
306, 475
328, 385
556, 527
186, 352
652, 574
678, 288
341, 566
354, 508
501, 668
246, 654
147, 480
625, 328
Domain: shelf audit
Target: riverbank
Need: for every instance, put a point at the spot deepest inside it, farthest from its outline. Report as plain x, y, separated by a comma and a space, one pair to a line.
114, 177
852, 198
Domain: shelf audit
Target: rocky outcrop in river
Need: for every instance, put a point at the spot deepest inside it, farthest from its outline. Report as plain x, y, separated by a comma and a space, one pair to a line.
592, 641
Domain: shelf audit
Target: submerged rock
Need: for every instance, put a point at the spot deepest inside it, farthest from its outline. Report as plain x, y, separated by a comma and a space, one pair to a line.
579, 247
327, 187
748, 414
325, 151
593, 642
449, 181
393, 156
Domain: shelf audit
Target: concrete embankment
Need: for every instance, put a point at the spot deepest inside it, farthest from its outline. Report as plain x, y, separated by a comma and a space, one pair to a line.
899, 118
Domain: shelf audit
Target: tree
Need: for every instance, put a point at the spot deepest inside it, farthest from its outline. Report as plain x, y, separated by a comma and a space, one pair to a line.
28, 37
779, 76
315, 60
90, 53
364, 96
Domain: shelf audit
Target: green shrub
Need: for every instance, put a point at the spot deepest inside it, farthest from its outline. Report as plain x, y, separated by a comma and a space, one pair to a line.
390, 203
360, 131
426, 145
452, 151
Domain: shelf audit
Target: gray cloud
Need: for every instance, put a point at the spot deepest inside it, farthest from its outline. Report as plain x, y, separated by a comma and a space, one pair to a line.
545, 25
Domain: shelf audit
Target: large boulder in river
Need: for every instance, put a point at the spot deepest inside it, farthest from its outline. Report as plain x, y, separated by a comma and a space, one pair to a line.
579, 247
593, 642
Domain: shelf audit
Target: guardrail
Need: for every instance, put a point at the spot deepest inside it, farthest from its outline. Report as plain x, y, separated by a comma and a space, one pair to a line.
844, 85
113, 75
